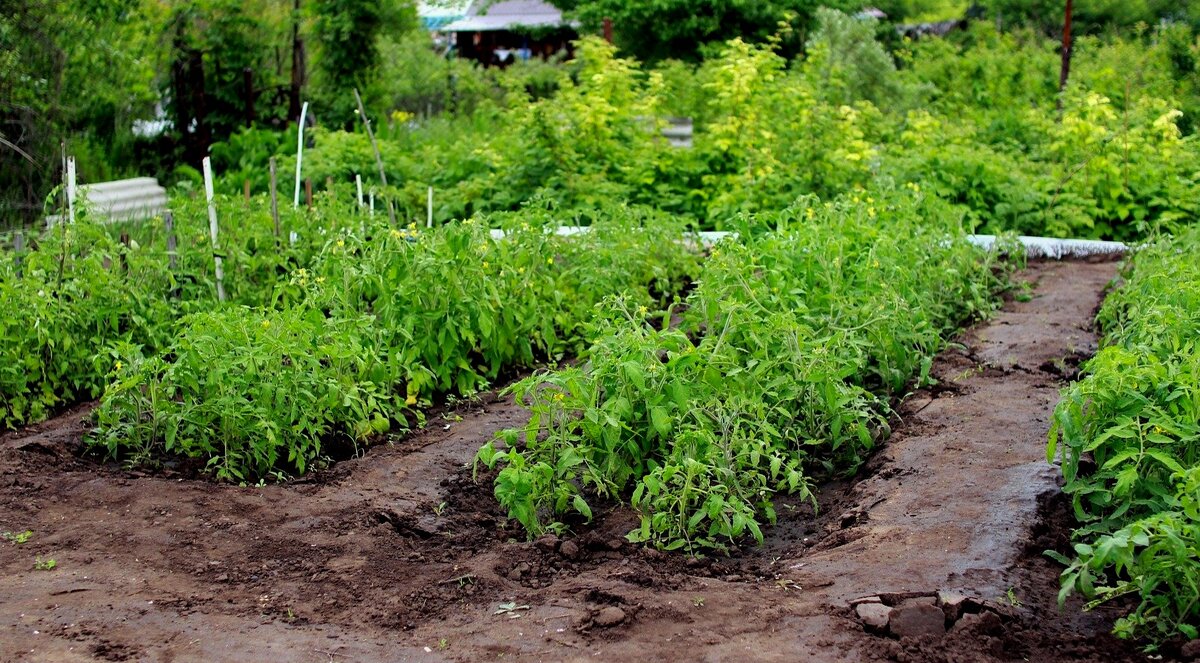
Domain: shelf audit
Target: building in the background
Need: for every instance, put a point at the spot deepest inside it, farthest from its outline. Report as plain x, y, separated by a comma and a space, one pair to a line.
436, 14
500, 33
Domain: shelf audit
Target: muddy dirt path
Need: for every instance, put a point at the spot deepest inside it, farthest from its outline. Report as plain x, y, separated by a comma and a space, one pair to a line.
399, 556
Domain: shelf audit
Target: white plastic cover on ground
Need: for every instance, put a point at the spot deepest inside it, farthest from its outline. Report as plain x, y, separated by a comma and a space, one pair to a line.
1035, 247
1049, 247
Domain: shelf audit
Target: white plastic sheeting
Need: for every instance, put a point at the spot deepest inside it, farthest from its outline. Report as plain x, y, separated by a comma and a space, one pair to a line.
1035, 247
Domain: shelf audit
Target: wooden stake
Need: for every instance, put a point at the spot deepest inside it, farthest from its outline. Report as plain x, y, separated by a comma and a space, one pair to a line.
246, 190
125, 253
362, 112
274, 201
308, 192
71, 189
212, 229
19, 245
172, 251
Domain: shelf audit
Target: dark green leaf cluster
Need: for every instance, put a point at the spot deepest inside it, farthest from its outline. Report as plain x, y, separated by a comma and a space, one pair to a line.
1128, 436
780, 369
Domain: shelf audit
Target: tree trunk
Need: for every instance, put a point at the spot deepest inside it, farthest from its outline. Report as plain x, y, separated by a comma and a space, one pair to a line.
298, 66
1065, 72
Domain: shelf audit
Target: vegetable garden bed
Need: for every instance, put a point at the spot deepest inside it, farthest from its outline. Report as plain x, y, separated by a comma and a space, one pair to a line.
399, 554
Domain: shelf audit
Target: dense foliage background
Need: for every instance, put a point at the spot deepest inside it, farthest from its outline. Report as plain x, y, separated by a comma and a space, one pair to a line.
151, 86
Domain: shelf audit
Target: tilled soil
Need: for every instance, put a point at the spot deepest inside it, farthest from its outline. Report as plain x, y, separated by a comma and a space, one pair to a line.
399, 555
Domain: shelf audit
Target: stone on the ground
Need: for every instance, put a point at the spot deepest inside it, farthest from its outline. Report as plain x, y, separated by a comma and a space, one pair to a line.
952, 604
873, 615
915, 618
569, 549
610, 616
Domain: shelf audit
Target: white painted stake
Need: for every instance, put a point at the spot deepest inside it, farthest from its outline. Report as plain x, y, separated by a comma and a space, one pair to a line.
299, 154
71, 189
372, 199
429, 207
212, 228
358, 185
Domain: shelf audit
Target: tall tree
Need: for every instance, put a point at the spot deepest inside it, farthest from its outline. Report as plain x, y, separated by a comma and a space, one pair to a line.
346, 33
70, 72
680, 28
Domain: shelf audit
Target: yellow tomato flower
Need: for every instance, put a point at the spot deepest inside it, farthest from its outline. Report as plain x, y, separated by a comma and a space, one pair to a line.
411, 400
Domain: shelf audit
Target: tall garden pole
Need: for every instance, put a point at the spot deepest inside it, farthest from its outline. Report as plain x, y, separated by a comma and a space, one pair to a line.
71, 189
362, 112
212, 228
299, 154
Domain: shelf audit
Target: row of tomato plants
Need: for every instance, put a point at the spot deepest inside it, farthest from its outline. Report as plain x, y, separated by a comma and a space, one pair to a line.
778, 369
1128, 437
78, 290
379, 322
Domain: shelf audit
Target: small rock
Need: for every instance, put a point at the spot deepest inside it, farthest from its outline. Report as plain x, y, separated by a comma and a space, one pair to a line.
518, 571
916, 618
873, 615
610, 616
569, 549
616, 544
983, 623
952, 604
546, 543
1190, 651
223, 577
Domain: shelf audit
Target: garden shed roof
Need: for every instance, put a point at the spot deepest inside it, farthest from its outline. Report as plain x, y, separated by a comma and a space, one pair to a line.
508, 15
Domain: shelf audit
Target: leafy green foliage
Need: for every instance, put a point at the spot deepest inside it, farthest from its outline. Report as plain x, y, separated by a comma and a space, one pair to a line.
1128, 436
680, 28
347, 33
382, 320
781, 368
249, 392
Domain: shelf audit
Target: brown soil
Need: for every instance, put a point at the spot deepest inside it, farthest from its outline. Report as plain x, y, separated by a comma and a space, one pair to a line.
398, 555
